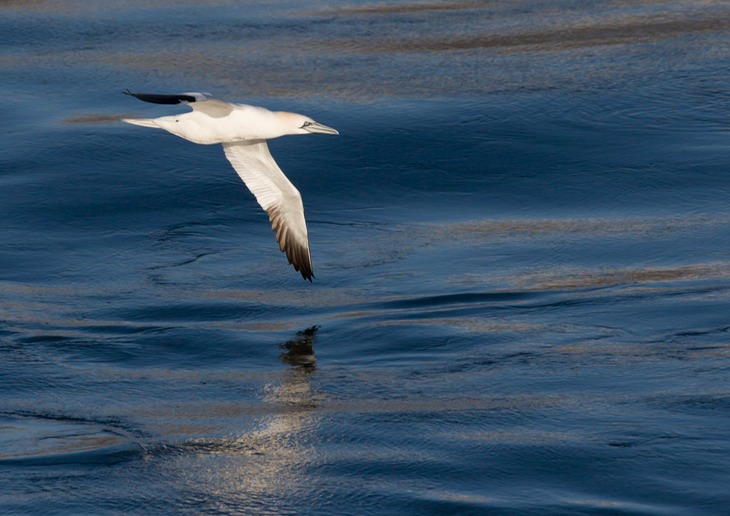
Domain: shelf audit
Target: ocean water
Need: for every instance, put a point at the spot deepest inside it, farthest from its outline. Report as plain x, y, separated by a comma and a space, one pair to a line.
520, 242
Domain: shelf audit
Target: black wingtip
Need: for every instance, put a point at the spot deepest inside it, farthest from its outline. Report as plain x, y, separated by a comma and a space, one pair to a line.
156, 98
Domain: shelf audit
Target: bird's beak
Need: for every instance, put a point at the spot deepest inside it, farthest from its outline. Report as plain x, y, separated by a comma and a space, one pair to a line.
319, 128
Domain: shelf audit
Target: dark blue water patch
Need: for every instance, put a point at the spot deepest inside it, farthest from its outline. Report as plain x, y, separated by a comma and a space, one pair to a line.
146, 344
716, 403
452, 315
432, 468
182, 347
43, 339
702, 334
95, 31
461, 299
208, 311
38, 442
84, 184
504, 463
534, 302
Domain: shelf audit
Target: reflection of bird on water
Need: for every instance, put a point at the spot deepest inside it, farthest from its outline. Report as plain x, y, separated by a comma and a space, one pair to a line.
300, 350
296, 389
243, 131
269, 458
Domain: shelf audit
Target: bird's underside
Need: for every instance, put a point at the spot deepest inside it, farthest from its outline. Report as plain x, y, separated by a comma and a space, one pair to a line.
278, 197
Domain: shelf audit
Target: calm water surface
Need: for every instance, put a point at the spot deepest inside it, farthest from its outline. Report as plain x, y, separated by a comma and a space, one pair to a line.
520, 242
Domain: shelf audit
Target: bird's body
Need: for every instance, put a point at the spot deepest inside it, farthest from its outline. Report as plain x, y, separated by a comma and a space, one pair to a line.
243, 131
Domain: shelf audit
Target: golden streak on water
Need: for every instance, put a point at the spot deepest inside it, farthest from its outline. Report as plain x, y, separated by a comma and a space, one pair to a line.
640, 29
572, 278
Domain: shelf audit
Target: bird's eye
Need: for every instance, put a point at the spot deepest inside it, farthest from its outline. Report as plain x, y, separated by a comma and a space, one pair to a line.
306, 124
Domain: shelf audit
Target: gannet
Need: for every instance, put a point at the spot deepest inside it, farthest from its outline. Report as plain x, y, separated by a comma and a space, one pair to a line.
243, 131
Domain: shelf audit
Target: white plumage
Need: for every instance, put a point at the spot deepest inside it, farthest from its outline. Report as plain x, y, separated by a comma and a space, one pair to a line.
243, 131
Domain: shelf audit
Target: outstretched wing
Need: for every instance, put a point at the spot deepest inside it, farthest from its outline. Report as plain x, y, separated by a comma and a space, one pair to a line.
277, 196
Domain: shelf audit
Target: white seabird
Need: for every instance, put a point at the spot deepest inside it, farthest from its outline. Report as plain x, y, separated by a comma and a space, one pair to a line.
243, 131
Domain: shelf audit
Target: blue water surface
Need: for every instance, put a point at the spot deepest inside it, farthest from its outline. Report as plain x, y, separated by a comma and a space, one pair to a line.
519, 241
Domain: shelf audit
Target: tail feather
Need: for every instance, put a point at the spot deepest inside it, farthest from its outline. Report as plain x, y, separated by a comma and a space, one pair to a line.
144, 122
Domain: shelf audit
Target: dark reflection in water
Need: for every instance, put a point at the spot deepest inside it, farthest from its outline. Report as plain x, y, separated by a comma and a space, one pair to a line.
300, 351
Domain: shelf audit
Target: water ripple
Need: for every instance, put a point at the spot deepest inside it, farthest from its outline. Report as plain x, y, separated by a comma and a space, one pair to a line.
39, 441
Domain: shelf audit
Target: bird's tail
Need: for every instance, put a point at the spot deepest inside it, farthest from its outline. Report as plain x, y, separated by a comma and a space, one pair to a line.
144, 122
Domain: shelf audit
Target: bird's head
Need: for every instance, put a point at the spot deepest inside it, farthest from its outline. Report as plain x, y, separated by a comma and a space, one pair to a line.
299, 124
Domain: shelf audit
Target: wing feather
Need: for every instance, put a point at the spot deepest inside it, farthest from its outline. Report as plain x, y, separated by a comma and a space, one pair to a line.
277, 196
179, 98
213, 108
